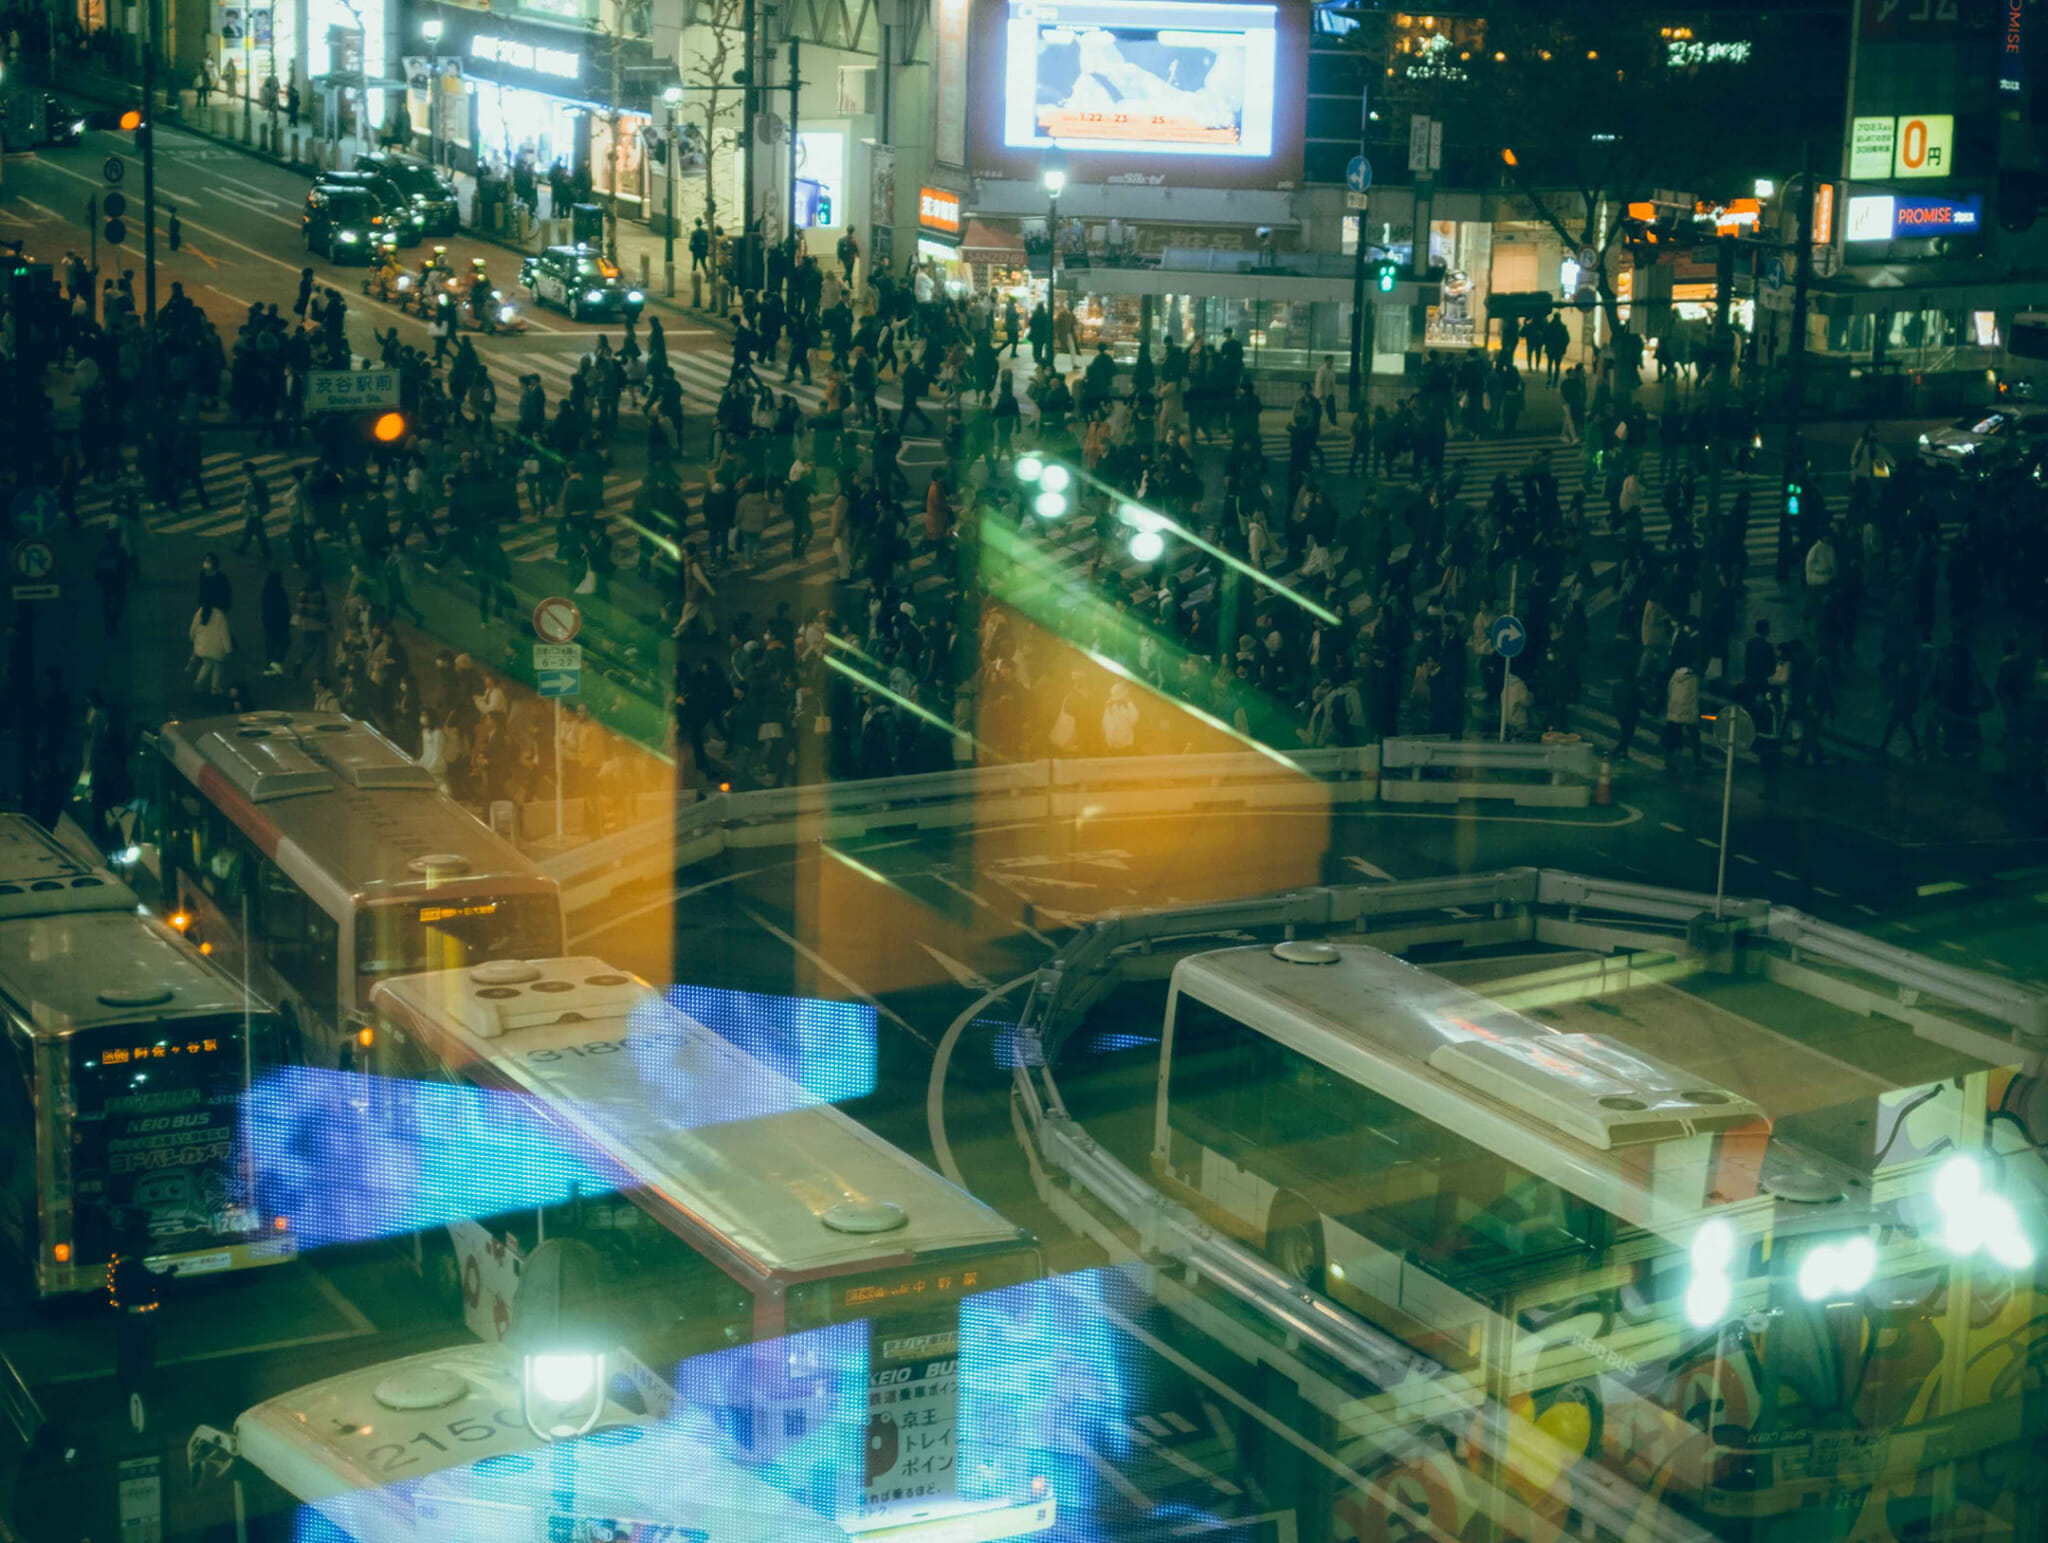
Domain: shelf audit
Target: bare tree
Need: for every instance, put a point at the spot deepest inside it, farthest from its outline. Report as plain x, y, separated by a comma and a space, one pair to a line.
711, 96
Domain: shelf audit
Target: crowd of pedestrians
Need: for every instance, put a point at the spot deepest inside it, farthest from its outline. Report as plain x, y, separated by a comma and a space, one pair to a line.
1292, 606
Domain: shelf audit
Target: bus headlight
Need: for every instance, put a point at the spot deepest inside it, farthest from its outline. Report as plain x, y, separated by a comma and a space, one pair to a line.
1709, 1295
565, 1379
1834, 1270
593, 295
1976, 1218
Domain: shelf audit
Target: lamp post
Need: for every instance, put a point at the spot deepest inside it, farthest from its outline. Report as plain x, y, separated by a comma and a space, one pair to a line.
1052, 176
672, 98
430, 29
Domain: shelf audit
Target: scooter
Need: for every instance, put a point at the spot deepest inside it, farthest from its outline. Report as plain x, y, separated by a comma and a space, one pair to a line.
498, 315
396, 288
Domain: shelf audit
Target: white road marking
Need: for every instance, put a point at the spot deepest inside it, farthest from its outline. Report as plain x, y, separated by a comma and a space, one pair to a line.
1822, 889
828, 968
935, 1089
1743, 857
1783, 874
1370, 870
1123, 1486
963, 974
669, 898
1867, 910
1679, 829
351, 1314
959, 889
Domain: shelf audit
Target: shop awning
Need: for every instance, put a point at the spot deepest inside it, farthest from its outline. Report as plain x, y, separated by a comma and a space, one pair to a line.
985, 243
355, 80
1932, 286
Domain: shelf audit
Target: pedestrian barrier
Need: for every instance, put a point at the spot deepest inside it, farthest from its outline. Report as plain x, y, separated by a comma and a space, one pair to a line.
1555, 775
649, 851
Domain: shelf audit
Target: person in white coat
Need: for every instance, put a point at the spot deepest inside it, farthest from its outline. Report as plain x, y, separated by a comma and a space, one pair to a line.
1120, 720
1681, 718
211, 645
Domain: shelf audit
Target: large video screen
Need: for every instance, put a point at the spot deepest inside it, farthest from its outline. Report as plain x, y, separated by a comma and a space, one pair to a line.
1152, 77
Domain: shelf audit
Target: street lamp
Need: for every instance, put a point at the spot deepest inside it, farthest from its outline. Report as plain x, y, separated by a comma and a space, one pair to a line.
562, 1331
672, 98
430, 29
1052, 176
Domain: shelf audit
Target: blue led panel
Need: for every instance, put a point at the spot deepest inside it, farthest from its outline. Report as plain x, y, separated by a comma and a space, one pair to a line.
348, 1157
826, 1048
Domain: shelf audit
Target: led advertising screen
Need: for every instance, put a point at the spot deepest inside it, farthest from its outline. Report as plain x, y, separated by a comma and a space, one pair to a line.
1150, 77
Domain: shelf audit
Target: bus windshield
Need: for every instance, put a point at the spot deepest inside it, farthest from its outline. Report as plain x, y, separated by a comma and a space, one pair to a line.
154, 1138
435, 934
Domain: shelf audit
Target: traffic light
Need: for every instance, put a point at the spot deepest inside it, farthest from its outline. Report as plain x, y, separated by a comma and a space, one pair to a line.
388, 428
114, 205
131, 120
1792, 494
1386, 273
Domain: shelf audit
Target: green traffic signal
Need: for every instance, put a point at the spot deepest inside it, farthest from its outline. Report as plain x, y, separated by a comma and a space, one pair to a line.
1792, 492
1386, 273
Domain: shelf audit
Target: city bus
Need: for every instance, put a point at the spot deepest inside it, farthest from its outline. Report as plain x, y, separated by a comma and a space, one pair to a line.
130, 1053
748, 1212
1756, 1281
316, 843
434, 1447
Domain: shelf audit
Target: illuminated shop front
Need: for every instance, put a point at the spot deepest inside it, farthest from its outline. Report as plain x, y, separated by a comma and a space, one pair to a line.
543, 91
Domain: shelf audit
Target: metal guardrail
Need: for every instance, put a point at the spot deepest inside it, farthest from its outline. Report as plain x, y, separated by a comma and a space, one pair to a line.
650, 852
2024, 1011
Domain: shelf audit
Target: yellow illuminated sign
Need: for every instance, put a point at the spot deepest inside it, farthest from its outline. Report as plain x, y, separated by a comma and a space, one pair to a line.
442, 913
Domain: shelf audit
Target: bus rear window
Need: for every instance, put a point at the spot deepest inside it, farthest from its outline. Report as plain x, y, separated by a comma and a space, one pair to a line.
448, 934
154, 1155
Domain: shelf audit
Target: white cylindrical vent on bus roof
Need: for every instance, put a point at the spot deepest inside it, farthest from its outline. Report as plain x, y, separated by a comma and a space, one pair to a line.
505, 972
135, 996
421, 1387
1301, 951
865, 1216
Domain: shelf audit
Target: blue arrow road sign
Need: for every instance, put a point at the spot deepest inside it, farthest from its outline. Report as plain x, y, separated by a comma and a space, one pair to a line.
34, 511
1774, 273
1510, 637
1358, 175
553, 683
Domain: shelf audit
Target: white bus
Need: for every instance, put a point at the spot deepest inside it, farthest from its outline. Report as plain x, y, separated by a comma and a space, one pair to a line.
749, 1210
434, 1449
315, 842
121, 1099
1759, 1283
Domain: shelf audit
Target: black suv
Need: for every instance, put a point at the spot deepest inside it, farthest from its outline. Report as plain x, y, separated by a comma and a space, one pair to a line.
401, 221
581, 282
427, 193
343, 222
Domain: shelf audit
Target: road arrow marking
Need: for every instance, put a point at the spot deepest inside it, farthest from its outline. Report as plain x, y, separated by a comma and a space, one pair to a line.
962, 974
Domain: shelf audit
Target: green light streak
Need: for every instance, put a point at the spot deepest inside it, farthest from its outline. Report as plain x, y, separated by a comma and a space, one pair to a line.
1168, 523
1193, 711
903, 702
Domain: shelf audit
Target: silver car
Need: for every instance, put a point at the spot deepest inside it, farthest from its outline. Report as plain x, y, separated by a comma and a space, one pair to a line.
1986, 438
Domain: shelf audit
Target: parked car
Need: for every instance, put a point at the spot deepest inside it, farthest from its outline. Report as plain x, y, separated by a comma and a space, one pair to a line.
343, 223
1980, 439
401, 220
581, 282
427, 193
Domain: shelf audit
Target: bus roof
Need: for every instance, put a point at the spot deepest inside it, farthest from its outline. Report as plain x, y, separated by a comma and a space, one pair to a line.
1516, 1085
96, 968
444, 1427
790, 1184
40, 876
337, 804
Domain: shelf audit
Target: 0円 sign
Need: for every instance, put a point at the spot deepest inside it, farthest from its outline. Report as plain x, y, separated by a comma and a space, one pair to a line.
348, 391
1917, 145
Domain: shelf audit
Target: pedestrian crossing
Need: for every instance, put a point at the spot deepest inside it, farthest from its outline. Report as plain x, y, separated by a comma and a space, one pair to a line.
702, 378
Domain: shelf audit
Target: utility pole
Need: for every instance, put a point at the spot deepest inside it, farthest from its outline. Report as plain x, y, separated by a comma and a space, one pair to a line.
611, 180
750, 105
673, 98
1795, 452
1361, 339
1724, 363
146, 133
789, 229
